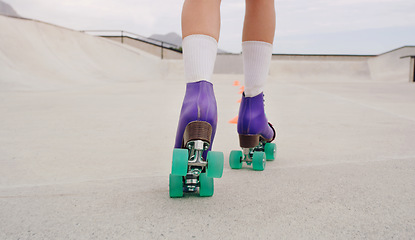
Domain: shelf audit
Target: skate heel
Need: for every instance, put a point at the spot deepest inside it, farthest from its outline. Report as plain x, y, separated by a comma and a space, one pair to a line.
248, 141
197, 130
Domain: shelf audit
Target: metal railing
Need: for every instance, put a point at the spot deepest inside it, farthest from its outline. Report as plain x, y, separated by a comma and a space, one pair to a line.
125, 34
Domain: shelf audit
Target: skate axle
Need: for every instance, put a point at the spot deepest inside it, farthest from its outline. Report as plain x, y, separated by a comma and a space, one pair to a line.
191, 183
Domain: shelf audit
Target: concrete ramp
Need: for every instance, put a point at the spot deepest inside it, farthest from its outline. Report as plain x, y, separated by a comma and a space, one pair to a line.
394, 65
36, 55
320, 68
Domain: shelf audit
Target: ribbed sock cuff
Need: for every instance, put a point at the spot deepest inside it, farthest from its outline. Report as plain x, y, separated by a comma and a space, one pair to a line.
257, 59
199, 55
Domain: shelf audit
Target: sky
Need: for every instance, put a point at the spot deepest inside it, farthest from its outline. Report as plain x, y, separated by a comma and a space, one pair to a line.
303, 26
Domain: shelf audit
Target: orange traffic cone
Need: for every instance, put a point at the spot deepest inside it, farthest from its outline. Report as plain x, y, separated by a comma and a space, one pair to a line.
234, 120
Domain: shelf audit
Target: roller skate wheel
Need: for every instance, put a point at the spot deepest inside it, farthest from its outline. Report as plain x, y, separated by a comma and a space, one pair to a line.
214, 164
175, 186
258, 161
179, 162
235, 159
206, 185
270, 150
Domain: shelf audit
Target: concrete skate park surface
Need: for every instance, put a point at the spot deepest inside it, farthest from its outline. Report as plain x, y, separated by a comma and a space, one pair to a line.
86, 134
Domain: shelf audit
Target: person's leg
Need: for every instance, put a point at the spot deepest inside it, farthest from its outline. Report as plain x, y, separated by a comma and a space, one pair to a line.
200, 31
198, 116
201, 17
259, 23
258, 36
257, 40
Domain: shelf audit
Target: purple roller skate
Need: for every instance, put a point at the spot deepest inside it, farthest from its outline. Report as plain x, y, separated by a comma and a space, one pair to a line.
255, 135
194, 166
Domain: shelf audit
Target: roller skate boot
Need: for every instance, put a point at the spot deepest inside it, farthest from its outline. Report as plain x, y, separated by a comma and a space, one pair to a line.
255, 135
194, 165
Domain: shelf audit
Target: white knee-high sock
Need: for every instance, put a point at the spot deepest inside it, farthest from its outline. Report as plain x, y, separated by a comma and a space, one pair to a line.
199, 55
257, 58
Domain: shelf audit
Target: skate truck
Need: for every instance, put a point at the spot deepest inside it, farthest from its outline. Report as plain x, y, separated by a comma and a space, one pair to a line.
191, 171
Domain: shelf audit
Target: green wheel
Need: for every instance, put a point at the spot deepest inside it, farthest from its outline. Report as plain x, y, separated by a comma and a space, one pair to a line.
270, 150
214, 164
235, 159
258, 161
206, 185
179, 163
176, 186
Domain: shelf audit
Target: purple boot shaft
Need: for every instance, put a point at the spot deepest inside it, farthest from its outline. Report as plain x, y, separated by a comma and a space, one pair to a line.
253, 125
198, 116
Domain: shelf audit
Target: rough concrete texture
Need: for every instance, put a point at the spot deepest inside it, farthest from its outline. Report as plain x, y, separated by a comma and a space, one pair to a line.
35, 54
91, 161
